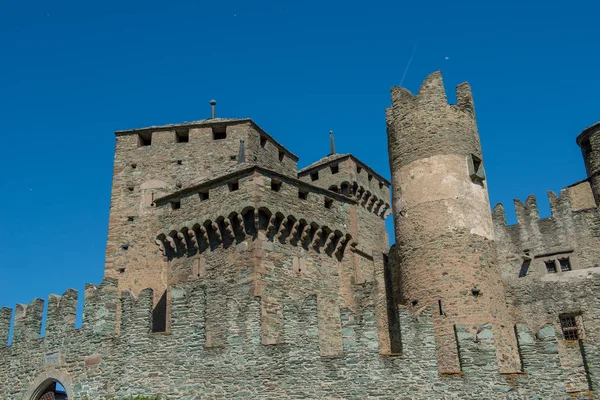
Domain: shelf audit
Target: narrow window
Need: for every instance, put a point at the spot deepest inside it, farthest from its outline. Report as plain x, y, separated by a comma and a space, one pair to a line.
179, 162
476, 171
121, 271
219, 132
565, 265
380, 185
182, 136
233, 186
176, 204
569, 327
134, 165
203, 195
125, 246
440, 307
281, 155
302, 194
358, 169
144, 139
345, 189
263, 141
314, 176
232, 157
551, 266
275, 185
328, 202
130, 188
130, 219
335, 169
370, 177
524, 268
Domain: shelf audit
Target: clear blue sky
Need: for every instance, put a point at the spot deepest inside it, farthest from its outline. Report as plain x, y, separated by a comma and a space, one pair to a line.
73, 72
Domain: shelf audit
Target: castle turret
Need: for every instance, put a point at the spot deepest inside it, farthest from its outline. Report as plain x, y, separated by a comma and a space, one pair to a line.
589, 141
445, 252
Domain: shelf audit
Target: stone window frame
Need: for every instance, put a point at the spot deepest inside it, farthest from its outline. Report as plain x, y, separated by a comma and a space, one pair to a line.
475, 166
556, 259
577, 317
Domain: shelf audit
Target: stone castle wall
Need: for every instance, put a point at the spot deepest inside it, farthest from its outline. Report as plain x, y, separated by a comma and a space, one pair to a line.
96, 361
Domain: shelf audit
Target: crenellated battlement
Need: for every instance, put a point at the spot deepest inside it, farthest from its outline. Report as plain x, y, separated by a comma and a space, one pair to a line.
102, 349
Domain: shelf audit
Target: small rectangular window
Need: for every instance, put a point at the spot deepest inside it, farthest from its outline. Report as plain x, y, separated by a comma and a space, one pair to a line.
335, 169
145, 139
570, 327
524, 268
176, 204
358, 169
219, 132
302, 194
182, 136
551, 266
370, 177
281, 155
275, 185
233, 186
565, 265
328, 202
476, 171
263, 141
314, 176
203, 195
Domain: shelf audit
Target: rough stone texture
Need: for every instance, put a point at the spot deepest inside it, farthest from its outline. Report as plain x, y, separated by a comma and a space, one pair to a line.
230, 278
444, 251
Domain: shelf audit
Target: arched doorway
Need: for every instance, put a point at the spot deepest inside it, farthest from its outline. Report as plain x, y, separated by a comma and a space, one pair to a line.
50, 385
53, 391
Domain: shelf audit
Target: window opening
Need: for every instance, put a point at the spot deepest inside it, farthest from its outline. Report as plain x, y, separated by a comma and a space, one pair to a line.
303, 195
524, 268
314, 176
551, 267
358, 169
275, 185
203, 195
281, 155
263, 141
569, 326
370, 177
144, 139
565, 265
176, 204
219, 132
233, 186
328, 203
476, 171
179, 162
440, 307
182, 136
335, 169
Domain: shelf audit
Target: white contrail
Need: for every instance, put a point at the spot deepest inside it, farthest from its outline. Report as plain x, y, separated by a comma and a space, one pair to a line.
408, 65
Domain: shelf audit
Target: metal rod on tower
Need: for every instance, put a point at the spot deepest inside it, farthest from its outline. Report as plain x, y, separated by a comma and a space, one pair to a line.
213, 103
331, 142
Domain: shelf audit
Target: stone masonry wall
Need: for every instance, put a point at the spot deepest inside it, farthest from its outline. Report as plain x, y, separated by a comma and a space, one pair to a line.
539, 295
144, 173
95, 361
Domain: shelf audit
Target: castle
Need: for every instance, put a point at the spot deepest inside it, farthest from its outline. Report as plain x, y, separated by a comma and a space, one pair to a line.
232, 274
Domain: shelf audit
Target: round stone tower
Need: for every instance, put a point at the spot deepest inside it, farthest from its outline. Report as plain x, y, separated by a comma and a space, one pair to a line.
444, 253
589, 141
